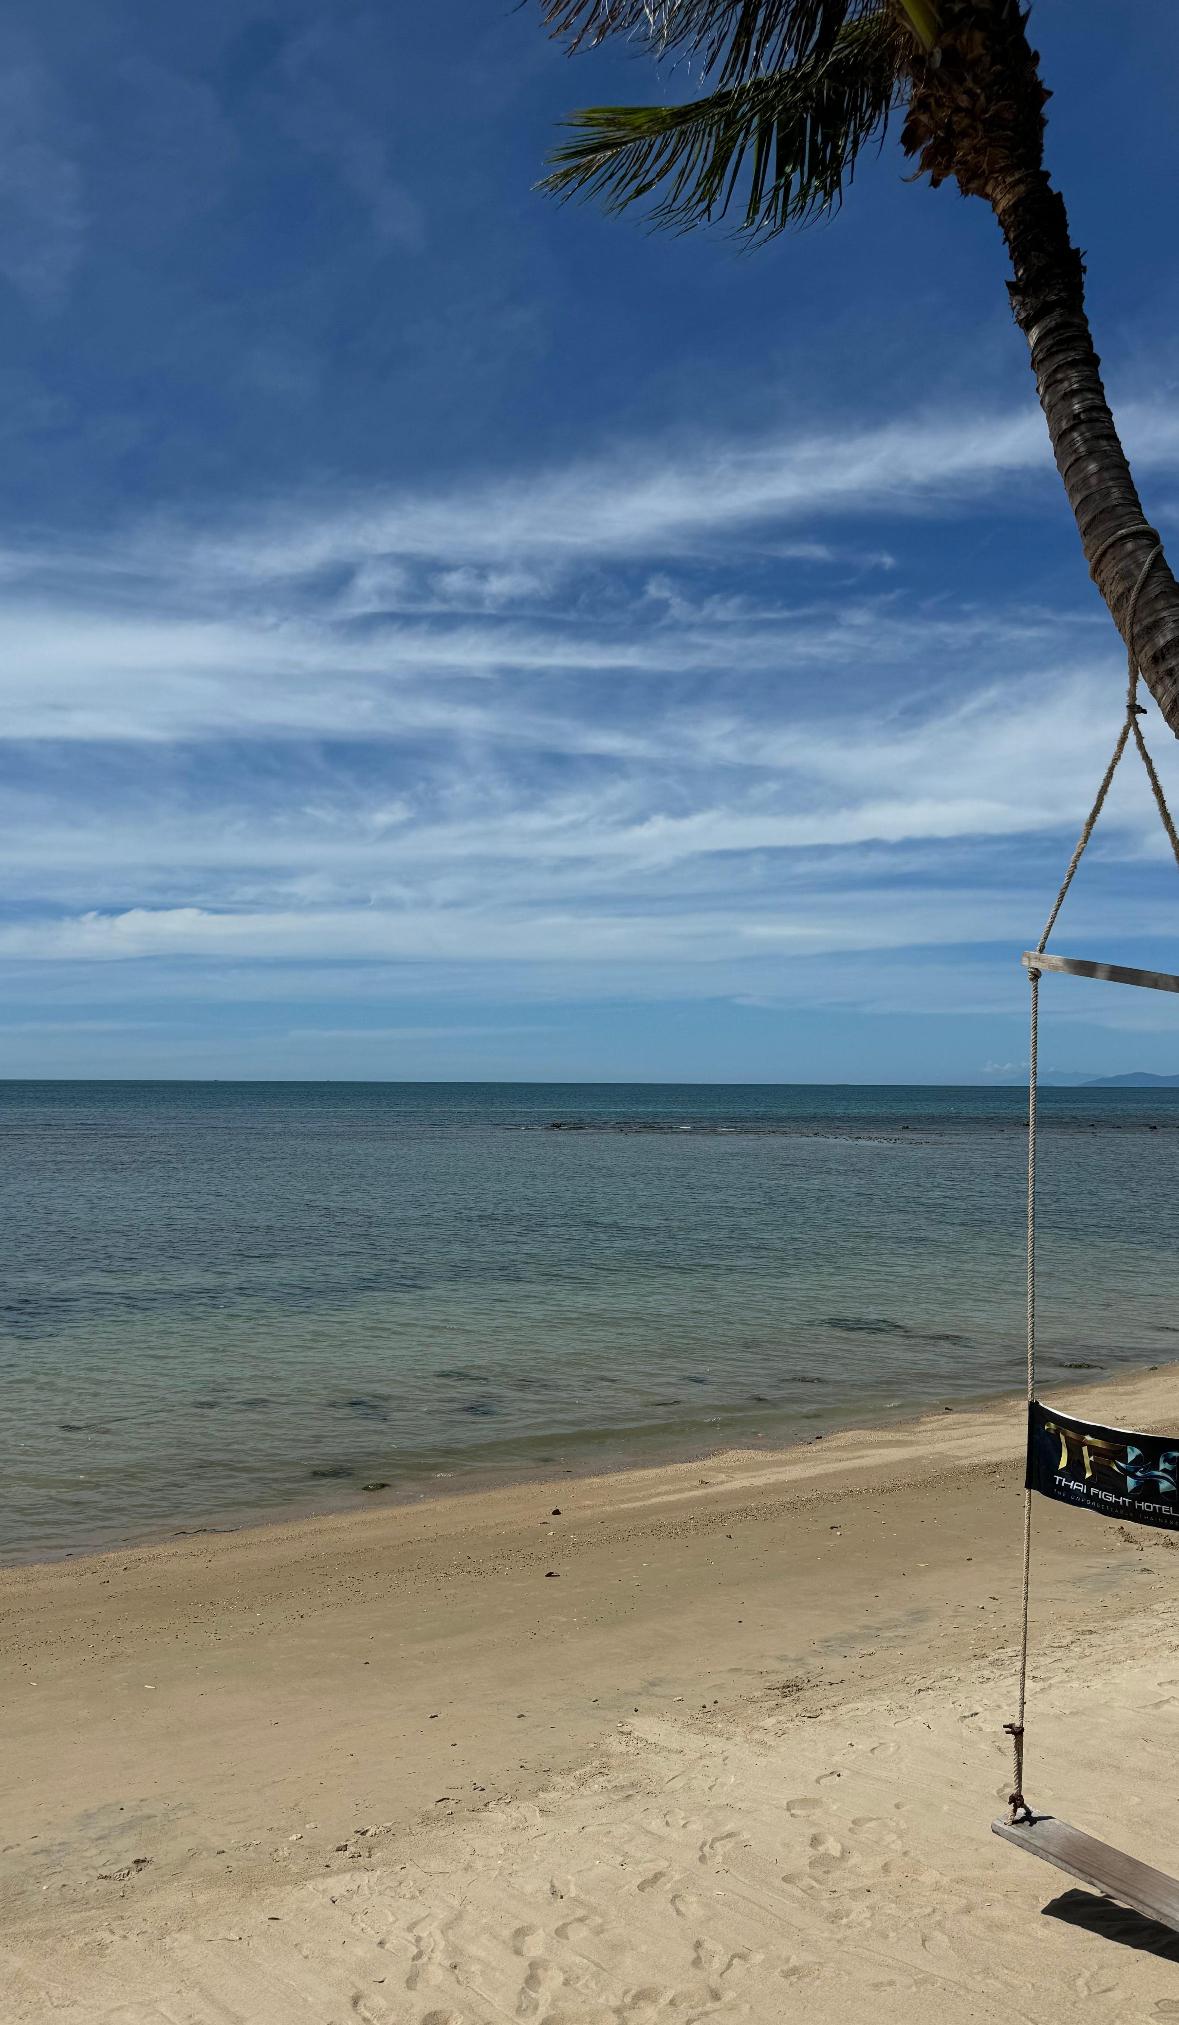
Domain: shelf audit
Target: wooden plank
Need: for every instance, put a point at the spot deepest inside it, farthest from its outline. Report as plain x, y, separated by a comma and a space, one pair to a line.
1109, 973
1149, 1891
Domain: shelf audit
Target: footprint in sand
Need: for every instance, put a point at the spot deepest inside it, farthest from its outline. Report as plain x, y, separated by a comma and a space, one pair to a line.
425, 1947
651, 1997
441, 2018
542, 1983
685, 1906
1094, 1983
371, 2010
649, 1883
581, 1924
826, 1852
717, 1962
525, 1940
713, 1845
804, 1806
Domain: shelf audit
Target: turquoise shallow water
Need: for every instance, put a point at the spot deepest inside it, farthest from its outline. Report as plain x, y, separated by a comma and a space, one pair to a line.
219, 1301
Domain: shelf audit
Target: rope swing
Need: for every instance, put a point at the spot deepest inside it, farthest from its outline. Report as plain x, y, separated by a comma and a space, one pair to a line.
1126, 1461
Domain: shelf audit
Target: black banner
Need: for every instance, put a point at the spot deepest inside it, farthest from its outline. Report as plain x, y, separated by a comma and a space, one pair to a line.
1103, 1469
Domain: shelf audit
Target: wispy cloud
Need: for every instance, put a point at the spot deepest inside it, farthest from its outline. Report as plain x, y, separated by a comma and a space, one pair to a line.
514, 731
640, 501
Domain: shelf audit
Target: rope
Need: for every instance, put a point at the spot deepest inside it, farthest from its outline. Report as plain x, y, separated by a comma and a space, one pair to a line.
1019, 1809
1130, 727
1119, 534
1156, 789
1086, 833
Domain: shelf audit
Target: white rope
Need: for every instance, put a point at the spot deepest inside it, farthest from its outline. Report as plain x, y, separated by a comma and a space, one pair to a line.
1019, 1809
1130, 727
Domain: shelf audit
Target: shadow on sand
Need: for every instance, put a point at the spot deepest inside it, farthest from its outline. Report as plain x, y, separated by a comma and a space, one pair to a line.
1113, 1922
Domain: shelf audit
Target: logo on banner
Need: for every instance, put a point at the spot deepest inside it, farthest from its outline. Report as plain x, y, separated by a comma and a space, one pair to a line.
1126, 1476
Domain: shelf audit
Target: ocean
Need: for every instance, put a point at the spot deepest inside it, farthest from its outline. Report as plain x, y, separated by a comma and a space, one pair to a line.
225, 1301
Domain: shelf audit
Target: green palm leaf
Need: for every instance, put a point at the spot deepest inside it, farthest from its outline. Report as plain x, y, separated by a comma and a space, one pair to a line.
788, 140
735, 38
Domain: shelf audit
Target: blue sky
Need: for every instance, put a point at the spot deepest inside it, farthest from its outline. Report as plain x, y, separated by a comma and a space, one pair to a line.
443, 634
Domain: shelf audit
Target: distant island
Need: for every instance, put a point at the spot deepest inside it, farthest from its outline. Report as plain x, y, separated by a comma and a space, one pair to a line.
1141, 1079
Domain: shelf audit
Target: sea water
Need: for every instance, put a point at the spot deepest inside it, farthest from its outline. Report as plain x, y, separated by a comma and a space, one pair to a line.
224, 1301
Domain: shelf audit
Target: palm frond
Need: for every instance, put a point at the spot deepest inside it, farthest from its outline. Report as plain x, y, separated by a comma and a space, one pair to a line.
733, 39
793, 136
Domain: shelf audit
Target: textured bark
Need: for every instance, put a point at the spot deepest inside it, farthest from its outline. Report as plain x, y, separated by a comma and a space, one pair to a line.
976, 116
1047, 296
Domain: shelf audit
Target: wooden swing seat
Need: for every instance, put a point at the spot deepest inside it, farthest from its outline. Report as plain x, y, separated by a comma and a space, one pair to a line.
1109, 973
1138, 1885
1116, 1876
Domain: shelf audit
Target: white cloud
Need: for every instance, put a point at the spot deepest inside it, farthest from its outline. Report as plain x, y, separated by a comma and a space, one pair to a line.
514, 731
102, 676
638, 502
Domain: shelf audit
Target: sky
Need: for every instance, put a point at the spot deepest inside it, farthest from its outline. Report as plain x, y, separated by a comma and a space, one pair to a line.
447, 634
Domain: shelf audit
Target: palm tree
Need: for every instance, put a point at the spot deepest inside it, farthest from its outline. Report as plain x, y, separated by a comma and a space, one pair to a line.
795, 88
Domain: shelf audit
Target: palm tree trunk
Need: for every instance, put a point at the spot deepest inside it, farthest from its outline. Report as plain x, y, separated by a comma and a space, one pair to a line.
976, 116
1047, 295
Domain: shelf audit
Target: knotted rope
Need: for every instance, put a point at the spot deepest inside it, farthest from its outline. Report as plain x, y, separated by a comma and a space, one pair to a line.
1131, 728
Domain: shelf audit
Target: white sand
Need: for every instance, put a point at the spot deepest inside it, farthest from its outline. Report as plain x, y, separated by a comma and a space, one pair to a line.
738, 1760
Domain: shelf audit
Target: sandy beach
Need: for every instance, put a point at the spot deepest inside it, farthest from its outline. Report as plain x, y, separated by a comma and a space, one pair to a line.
718, 1740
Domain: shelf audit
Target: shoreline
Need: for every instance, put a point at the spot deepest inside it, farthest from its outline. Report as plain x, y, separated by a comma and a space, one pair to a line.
421, 1492
247, 1762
